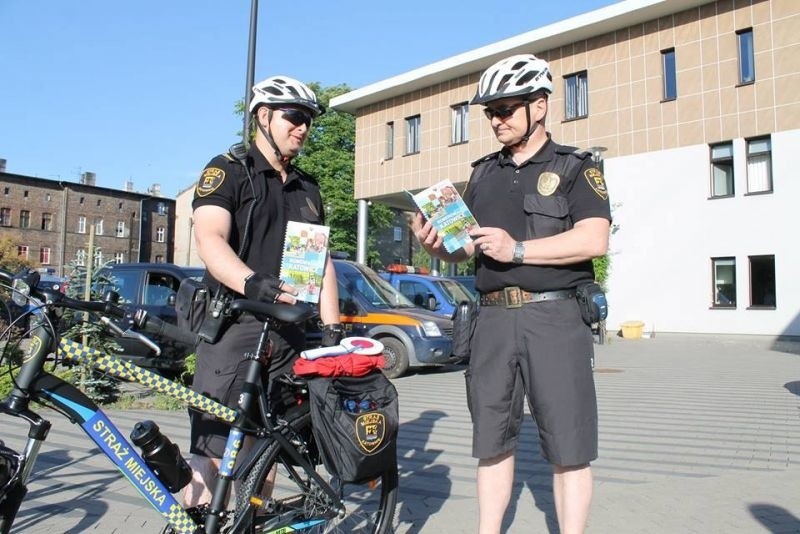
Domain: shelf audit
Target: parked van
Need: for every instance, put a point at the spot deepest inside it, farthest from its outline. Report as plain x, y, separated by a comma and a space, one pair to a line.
439, 294
371, 307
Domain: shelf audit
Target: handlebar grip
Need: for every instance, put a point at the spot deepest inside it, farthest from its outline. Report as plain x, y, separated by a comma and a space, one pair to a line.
155, 326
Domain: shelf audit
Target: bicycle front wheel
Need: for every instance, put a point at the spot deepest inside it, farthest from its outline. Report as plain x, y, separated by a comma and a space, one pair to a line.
277, 494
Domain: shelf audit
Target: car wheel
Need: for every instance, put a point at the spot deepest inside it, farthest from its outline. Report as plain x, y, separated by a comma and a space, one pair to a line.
396, 357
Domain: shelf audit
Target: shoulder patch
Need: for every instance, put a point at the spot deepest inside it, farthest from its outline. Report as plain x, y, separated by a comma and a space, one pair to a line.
484, 159
210, 181
596, 182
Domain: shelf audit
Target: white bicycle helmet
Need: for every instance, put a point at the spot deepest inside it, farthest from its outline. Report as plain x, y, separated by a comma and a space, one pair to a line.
277, 90
514, 76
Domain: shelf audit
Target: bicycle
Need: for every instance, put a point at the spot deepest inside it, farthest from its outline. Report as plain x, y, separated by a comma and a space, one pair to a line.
304, 496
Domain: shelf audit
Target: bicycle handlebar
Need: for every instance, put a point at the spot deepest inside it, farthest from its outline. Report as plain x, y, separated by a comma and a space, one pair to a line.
157, 327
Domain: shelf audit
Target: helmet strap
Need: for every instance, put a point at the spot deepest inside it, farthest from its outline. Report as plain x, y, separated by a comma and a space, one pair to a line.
267, 132
531, 126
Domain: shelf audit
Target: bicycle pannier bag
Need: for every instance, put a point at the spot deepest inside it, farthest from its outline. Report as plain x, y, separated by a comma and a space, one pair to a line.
355, 421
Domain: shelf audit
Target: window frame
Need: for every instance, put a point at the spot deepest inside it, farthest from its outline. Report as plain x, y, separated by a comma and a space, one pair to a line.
47, 221
98, 226
120, 229
713, 162
669, 73
459, 123
581, 93
751, 288
715, 283
44, 255
81, 224
749, 161
161, 234
24, 218
389, 141
413, 134
5, 217
23, 251
745, 49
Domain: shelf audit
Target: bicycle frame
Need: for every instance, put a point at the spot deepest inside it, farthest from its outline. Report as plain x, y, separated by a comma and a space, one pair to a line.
34, 384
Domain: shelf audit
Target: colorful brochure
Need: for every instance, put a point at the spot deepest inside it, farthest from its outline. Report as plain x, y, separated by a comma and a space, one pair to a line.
305, 251
445, 209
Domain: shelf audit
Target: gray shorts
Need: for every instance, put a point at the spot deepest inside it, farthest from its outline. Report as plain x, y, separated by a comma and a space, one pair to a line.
220, 374
542, 350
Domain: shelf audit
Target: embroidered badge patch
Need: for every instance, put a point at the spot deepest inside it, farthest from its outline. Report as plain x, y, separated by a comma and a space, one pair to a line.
548, 183
597, 182
370, 430
210, 181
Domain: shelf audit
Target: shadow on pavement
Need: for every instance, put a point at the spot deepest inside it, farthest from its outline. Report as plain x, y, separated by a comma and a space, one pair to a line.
793, 387
533, 472
88, 500
424, 483
775, 518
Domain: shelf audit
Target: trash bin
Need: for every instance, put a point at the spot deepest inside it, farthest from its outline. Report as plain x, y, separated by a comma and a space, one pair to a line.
632, 329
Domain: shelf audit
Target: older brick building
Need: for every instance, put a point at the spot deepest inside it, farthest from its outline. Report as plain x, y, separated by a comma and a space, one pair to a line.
51, 220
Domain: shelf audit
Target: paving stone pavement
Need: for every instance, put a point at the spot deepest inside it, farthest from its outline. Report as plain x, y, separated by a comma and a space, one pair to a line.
697, 434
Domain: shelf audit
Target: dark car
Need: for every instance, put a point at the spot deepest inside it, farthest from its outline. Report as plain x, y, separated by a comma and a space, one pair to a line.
152, 287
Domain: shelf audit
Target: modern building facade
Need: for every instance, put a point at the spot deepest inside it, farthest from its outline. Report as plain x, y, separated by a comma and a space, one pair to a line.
51, 222
693, 109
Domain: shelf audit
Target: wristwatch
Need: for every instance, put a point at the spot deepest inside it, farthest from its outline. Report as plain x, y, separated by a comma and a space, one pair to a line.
519, 252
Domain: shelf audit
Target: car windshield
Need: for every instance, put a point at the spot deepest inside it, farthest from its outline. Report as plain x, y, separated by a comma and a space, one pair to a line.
454, 292
377, 291
195, 273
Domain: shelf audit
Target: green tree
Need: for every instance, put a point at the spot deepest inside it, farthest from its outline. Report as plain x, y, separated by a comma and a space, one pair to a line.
329, 156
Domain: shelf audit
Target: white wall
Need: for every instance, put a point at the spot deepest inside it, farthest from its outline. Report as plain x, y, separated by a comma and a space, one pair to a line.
185, 249
669, 230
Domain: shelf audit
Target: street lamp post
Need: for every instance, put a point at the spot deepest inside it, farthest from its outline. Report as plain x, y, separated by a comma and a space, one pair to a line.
251, 67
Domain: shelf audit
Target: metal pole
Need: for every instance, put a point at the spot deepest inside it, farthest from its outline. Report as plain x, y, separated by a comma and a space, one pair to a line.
251, 67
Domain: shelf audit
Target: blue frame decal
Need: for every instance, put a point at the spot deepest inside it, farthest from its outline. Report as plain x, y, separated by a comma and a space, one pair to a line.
232, 447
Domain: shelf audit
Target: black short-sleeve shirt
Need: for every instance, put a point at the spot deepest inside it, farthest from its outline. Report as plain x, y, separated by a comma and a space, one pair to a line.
224, 183
543, 196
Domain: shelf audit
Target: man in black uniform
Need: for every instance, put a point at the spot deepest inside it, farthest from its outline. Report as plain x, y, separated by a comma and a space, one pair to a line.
544, 214
277, 192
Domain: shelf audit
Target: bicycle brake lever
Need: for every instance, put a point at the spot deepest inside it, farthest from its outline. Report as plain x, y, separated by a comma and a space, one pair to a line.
130, 334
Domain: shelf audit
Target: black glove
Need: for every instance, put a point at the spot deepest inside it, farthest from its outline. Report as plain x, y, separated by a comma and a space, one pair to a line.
263, 288
332, 334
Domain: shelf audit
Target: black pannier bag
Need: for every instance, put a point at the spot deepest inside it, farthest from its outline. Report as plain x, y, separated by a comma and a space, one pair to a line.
464, 319
355, 422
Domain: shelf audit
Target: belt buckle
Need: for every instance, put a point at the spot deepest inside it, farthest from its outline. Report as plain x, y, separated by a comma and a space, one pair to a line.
513, 297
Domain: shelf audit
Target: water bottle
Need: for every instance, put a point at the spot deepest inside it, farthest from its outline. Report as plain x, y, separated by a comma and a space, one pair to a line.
161, 455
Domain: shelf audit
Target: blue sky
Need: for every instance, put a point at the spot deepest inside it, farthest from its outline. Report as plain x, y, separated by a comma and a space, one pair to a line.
145, 90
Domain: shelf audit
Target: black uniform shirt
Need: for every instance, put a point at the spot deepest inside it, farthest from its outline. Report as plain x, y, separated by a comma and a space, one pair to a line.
224, 183
533, 200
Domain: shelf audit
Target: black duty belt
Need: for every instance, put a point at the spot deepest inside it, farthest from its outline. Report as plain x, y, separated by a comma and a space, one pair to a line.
514, 297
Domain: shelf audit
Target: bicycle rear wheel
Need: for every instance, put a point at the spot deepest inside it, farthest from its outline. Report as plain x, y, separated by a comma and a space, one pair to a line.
296, 500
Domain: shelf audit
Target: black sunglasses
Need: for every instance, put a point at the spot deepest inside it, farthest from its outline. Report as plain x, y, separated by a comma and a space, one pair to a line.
297, 116
502, 113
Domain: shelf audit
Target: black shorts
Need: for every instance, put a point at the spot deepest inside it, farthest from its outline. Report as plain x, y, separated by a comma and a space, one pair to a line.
542, 350
221, 372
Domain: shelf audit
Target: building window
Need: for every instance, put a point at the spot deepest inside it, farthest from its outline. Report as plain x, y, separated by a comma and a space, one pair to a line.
22, 251
99, 201
5, 216
98, 226
120, 228
81, 224
759, 165
119, 257
577, 96
762, 281
80, 257
460, 120
724, 282
162, 208
668, 74
160, 234
120, 206
48, 197
98, 257
722, 170
6, 190
25, 193
389, 140
747, 66
398, 234
159, 258
47, 221
80, 200
412, 134
44, 256
24, 219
